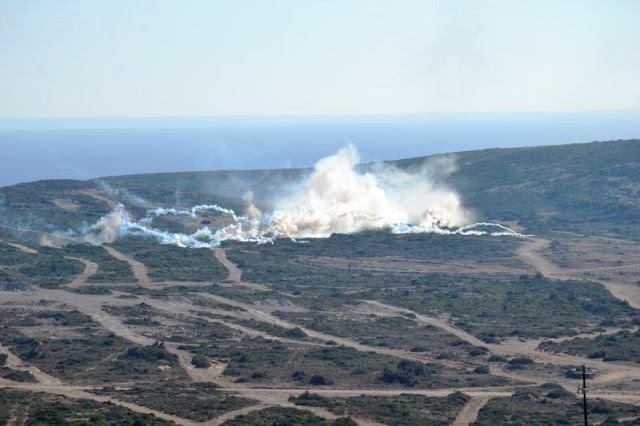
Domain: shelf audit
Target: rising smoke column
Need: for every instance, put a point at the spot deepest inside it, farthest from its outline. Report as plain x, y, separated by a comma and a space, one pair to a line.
335, 198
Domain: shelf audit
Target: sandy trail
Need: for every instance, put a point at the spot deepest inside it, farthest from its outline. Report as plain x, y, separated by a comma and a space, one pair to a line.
211, 374
90, 268
423, 319
529, 252
511, 347
140, 271
233, 414
92, 306
529, 348
17, 364
266, 317
65, 204
469, 412
20, 247
234, 273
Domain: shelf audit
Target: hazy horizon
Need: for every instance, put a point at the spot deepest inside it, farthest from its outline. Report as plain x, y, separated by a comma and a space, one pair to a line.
203, 58
107, 147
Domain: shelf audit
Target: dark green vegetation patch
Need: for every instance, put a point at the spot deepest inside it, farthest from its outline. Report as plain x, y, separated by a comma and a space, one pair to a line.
400, 410
257, 360
276, 416
488, 306
39, 409
549, 404
49, 268
198, 401
171, 263
373, 330
80, 351
622, 346
110, 269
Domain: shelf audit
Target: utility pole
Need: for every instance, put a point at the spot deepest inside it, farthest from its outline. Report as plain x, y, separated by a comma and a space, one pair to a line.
584, 391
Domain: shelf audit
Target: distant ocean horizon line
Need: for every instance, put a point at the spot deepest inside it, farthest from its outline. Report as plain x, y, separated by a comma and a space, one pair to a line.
63, 149
213, 121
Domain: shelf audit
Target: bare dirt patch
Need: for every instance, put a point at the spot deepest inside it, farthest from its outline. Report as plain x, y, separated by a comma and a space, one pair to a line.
65, 204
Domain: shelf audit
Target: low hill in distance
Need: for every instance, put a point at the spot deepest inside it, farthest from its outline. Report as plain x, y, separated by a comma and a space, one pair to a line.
591, 188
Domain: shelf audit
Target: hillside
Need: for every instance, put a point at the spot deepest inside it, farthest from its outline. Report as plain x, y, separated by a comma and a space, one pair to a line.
385, 328
591, 188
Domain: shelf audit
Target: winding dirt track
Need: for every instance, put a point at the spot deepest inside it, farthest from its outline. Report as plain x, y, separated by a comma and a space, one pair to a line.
90, 268
529, 252
20, 247
469, 412
267, 397
92, 305
211, 374
514, 347
16, 363
140, 271
234, 274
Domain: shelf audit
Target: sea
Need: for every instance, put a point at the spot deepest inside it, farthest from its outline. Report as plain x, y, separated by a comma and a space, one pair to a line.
37, 149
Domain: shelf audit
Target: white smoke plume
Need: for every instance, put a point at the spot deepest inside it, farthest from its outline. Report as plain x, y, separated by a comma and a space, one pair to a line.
251, 211
335, 198
108, 228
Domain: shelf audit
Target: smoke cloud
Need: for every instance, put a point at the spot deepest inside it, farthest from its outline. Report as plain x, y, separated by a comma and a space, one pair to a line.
336, 198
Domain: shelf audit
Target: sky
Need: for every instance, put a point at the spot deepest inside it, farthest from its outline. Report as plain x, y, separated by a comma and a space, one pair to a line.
158, 58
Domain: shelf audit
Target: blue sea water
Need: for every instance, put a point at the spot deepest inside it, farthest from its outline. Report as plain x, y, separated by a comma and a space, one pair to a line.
82, 149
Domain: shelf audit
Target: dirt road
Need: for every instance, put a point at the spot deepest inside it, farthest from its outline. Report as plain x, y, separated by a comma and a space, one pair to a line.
140, 271
516, 348
529, 252
20, 247
469, 412
16, 363
90, 268
234, 275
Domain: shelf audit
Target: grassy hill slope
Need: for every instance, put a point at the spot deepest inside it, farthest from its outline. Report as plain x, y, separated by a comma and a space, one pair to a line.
591, 188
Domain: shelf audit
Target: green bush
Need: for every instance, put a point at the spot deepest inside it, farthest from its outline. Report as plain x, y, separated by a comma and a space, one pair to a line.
200, 361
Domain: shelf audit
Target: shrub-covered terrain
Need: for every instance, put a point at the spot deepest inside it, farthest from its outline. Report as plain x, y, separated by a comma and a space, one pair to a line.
622, 346
406, 409
382, 331
285, 416
262, 361
110, 269
198, 401
488, 306
39, 409
171, 263
49, 268
550, 405
79, 350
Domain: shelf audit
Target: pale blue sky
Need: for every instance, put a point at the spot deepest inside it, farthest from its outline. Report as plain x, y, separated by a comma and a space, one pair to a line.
241, 57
